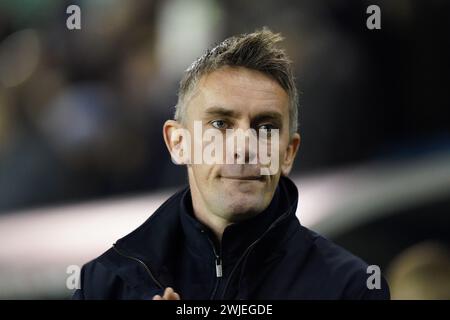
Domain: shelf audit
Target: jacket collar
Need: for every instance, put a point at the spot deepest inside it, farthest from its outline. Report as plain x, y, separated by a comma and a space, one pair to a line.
236, 237
156, 242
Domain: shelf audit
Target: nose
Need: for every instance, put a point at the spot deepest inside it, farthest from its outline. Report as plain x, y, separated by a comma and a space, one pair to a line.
242, 145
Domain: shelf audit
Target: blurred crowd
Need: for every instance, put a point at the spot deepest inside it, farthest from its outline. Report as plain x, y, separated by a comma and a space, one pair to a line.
81, 111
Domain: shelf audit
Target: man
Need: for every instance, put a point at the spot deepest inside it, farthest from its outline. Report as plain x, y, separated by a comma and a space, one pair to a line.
233, 233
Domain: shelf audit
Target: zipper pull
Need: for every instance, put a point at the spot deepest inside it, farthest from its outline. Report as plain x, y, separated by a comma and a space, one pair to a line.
218, 268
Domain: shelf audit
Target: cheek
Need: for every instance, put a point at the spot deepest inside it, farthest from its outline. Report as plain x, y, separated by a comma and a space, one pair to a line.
204, 173
284, 145
278, 151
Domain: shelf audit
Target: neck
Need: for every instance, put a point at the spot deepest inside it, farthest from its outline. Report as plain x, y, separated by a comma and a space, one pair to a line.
202, 212
215, 223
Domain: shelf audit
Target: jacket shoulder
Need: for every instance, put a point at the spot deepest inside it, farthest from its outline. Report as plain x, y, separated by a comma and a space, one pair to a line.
345, 271
123, 276
97, 281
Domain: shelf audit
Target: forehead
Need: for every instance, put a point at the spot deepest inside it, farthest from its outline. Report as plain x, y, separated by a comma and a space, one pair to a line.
239, 89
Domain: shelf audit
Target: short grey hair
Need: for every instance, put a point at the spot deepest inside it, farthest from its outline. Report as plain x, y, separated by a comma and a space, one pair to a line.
257, 51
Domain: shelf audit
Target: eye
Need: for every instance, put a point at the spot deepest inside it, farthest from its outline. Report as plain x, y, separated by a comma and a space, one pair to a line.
219, 124
267, 127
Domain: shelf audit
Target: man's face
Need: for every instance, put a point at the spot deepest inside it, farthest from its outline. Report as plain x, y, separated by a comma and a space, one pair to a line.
238, 98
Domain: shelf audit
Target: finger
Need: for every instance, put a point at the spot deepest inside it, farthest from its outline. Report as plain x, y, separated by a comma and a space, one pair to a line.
167, 293
170, 294
157, 297
175, 296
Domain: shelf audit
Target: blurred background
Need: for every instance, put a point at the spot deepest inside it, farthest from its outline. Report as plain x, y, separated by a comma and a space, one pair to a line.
83, 162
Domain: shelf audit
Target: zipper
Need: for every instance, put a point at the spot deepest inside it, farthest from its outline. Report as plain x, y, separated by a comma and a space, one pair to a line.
147, 269
248, 250
218, 264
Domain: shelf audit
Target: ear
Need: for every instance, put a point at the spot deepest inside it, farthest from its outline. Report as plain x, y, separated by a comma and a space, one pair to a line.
176, 139
290, 154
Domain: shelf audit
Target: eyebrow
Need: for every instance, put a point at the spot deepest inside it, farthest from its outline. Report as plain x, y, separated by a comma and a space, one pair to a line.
265, 115
221, 111
269, 115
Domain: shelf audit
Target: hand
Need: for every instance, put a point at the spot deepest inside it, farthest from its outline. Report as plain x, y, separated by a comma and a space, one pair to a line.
169, 294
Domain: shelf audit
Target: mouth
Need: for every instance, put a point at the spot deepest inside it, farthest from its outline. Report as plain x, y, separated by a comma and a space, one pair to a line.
241, 173
243, 178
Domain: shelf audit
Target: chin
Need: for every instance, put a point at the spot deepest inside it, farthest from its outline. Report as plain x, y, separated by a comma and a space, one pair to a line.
244, 208
239, 200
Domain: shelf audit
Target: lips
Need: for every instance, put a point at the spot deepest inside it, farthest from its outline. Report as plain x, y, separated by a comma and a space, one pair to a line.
243, 178
241, 172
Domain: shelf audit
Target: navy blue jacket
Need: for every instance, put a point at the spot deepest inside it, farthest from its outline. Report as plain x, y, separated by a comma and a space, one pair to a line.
269, 256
